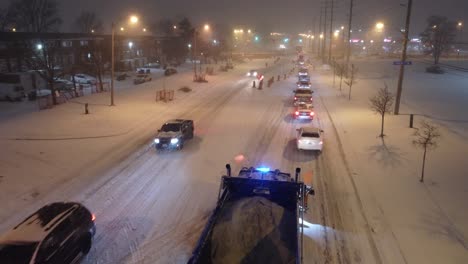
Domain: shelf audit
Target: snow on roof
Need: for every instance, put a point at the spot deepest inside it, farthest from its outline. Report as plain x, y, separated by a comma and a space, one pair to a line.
37, 226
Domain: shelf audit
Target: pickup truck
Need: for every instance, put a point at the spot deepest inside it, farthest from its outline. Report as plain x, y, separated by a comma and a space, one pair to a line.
173, 134
257, 219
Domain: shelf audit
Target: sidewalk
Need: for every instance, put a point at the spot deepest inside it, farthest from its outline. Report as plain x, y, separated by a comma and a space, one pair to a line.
426, 222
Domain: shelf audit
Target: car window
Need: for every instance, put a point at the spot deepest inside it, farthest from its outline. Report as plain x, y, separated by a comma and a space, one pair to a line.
19, 253
310, 134
171, 127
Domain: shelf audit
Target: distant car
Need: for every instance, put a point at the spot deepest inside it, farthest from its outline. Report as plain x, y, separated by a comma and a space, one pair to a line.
63, 85
174, 133
304, 84
303, 92
302, 72
141, 78
304, 111
149, 68
309, 138
170, 71
304, 78
84, 79
252, 73
56, 233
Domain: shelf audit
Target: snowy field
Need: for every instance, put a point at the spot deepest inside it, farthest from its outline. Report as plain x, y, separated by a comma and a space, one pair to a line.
369, 206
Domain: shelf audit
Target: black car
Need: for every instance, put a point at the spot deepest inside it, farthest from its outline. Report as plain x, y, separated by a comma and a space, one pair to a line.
56, 233
174, 133
170, 71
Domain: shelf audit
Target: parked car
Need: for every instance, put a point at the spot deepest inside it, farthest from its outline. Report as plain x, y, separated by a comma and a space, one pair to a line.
82, 78
149, 68
57, 233
170, 71
63, 85
309, 138
174, 133
141, 78
11, 92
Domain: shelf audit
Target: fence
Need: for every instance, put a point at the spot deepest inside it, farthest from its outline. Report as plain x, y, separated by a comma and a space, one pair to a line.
165, 95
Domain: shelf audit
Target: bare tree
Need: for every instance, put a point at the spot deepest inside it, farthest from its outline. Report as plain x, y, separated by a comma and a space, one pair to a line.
351, 79
6, 19
340, 71
39, 55
96, 54
88, 22
426, 138
438, 35
42, 58
35, 15
382, 104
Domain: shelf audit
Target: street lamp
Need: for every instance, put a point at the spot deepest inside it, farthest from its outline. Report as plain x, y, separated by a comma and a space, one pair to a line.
133, 20
39, 46
379, 26
206, 27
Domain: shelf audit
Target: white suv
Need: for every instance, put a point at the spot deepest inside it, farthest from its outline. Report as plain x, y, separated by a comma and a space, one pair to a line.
84, 79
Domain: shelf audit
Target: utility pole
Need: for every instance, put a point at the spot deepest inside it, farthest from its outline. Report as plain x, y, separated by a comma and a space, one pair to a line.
319, 46
403, 58
324, 32
348, 53
331, 32
112, 65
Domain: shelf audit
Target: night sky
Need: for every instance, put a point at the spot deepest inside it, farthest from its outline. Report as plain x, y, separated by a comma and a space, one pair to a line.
266, 15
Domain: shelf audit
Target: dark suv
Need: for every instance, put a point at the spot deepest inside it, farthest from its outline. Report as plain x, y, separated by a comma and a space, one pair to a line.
56, 233
173, 134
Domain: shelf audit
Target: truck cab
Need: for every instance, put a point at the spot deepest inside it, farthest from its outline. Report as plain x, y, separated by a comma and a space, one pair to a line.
173, 134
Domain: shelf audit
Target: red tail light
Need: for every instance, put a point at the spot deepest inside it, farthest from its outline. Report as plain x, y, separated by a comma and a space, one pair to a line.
93, 217
312, 113
296, 113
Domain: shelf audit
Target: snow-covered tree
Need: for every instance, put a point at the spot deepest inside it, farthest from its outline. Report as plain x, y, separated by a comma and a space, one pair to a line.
426, 138
381, 103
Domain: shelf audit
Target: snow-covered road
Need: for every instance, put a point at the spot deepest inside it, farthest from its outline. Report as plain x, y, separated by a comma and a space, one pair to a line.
151, 207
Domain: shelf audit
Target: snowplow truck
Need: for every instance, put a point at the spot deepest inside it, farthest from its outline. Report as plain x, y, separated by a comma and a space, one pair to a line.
257, 219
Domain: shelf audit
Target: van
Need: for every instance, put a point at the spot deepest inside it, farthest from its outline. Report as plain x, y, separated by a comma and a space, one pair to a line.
11, 88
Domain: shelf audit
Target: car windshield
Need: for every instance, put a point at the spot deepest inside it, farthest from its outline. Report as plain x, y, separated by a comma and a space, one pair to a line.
170, 127
310, 134
17, 253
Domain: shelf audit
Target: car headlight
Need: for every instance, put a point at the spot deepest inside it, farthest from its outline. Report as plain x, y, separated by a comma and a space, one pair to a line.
248, 74
174, 141
156, 140
255, 74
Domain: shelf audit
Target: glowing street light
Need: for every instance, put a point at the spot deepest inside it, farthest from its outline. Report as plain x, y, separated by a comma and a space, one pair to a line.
379, 26
460, 24
130, 44
321, 36
122, 29
249, 31
342, 27
189, 46
13, 29
206, 27
144, 29
133, 19
39, 46
175, 27
336, 34
92, 30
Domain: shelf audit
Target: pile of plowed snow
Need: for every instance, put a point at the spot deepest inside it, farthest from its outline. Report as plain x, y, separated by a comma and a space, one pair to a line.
254, 230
